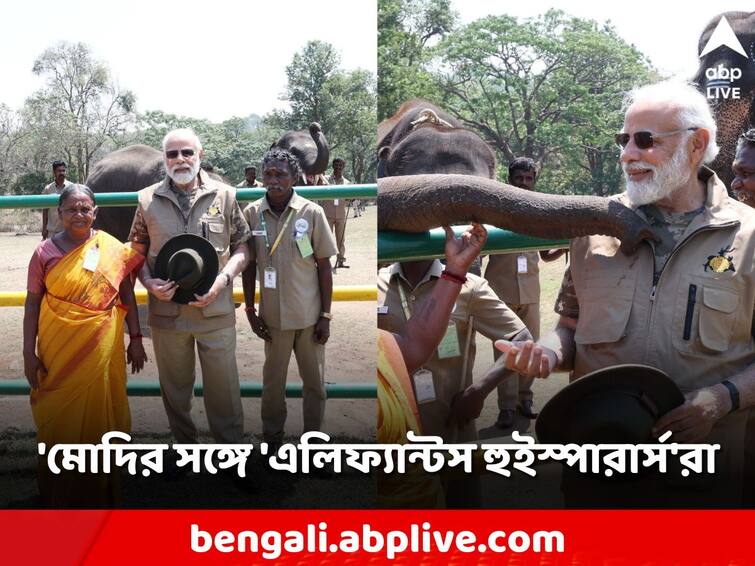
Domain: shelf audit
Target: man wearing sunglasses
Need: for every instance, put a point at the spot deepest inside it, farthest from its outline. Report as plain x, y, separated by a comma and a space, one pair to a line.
683, 304
189, 201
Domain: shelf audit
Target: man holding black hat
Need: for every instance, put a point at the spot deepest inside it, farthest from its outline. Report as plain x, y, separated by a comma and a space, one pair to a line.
290, 248
193, 233
683, 304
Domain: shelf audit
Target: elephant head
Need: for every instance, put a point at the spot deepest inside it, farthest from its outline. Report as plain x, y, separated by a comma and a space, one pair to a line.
435, 173
310, 148
727, 78
129, 169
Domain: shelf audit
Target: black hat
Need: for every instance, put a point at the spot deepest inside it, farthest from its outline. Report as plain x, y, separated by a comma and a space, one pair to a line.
190, 261
614, 405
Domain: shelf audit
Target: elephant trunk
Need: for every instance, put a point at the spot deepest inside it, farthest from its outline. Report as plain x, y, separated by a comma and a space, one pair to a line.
418, 203
320, 163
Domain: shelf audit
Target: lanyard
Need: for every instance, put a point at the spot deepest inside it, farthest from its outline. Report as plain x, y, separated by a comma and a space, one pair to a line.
271, 251
404, 302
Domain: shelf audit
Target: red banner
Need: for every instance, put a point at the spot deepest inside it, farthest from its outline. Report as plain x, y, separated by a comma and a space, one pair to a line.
336, 537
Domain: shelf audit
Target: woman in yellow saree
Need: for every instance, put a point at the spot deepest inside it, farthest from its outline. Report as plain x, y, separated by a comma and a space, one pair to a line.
79, 292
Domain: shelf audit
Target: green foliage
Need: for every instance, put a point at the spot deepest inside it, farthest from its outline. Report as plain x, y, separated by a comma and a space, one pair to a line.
406, 30
80, 111
229, 145
549, 88
30, 183
342, 102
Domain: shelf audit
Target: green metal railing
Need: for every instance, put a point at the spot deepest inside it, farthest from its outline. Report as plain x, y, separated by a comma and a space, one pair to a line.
146, 388
323, 192
398, 246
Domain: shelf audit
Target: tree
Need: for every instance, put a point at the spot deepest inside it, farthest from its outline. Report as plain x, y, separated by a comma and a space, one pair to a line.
229, 145
406, 30
80, 110
549, 88
306, 77
353, 96
11, 134
342, 102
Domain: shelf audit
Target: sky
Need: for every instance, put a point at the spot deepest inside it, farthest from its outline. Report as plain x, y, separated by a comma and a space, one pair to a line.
666, 32
211, 59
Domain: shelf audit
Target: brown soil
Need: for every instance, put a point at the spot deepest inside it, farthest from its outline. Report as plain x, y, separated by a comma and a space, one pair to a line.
350, 358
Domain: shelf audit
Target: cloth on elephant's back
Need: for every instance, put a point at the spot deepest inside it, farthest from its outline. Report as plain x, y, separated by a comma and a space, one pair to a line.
397, 414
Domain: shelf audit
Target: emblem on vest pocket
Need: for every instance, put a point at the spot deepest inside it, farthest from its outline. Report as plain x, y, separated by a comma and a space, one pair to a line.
720, 263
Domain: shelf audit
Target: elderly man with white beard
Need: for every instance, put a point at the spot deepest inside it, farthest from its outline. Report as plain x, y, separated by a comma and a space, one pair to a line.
187, 201
683, 304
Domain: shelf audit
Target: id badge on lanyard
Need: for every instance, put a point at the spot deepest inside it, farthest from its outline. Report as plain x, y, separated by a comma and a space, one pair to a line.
521, 264
423, 386
270, 278
92, 258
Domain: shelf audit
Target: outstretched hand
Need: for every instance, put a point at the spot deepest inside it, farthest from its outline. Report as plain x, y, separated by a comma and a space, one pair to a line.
462, 251
527, 358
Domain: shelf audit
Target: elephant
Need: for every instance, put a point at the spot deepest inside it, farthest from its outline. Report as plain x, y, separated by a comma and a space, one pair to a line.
309, 147
124, 170
435, 173
138, 166
714, 78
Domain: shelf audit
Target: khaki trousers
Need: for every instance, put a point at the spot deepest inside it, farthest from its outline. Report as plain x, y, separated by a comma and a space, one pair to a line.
174, 353
513, 391
340, 232
310, 357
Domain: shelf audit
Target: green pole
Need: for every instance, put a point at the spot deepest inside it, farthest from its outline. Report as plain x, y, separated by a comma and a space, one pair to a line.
129, 199
147, 388
398, 246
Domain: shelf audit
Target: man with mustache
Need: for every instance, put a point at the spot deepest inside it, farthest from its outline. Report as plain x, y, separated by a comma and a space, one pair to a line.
683, 304
51, 224
515, 278
189, 201
290, 253
743, 184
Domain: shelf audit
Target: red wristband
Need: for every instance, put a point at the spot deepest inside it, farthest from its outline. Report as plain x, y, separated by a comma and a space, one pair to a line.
453, 277
249, 309
135, 336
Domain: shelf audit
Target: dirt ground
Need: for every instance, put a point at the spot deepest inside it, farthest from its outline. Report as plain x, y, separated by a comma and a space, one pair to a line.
349, 358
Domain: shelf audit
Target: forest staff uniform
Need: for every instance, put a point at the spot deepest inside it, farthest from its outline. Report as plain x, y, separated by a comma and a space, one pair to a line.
209, 210
691, 318
515, 278
335, 212
54, 224
449, 371
245, 185
285, 248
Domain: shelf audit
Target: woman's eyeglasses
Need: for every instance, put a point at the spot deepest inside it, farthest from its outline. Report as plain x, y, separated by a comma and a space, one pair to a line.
645, 139
173, 153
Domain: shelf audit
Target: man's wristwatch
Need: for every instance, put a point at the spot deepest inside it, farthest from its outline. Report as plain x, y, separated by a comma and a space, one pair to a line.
327, 315
227, 278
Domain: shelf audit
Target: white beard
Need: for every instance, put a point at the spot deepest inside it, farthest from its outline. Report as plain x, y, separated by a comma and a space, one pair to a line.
184, 177
666, 178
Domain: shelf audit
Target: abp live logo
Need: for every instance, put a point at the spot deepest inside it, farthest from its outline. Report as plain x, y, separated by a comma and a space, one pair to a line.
720, 79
